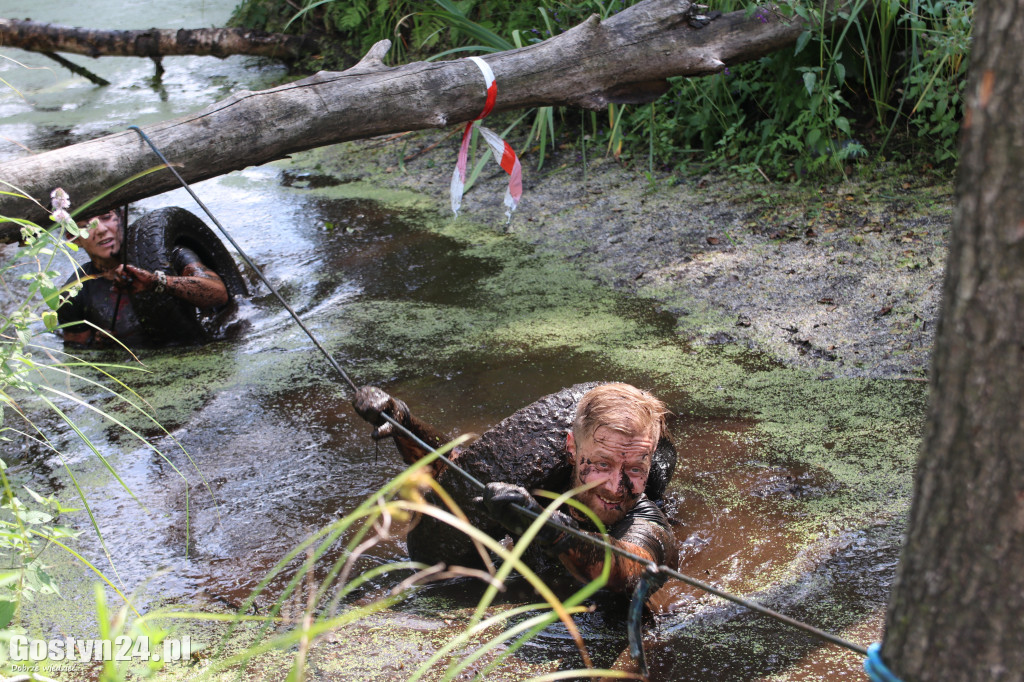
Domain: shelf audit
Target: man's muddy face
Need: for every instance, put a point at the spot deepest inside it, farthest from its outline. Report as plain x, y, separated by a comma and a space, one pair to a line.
621, 463
104, 241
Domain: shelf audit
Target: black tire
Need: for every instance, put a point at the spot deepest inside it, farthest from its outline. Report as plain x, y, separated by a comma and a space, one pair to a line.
149, 243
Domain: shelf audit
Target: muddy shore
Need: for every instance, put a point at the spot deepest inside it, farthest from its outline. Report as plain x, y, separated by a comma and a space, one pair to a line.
843, 278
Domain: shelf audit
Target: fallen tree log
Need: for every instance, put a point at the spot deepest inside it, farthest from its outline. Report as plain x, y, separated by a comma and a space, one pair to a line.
155, 42
625, 58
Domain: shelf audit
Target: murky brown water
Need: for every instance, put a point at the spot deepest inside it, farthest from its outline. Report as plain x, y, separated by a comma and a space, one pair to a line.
270, 428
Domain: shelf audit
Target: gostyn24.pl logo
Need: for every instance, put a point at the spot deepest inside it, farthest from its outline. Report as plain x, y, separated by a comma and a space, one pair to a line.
123, 648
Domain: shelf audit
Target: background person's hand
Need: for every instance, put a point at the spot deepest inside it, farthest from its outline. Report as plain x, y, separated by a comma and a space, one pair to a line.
130, 279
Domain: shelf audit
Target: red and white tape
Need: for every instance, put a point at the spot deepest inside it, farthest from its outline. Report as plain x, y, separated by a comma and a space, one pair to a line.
504, 155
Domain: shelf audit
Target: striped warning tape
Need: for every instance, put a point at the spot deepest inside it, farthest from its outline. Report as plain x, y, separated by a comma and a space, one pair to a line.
504, 155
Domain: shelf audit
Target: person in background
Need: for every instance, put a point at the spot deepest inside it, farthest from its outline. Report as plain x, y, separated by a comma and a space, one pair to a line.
106, 298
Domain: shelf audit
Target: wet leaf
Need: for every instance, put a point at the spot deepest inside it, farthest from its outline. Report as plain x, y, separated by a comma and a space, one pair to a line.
35, 517
810, 79
6, 612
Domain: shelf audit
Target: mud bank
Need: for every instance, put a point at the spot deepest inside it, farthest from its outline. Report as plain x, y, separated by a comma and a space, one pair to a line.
844, 279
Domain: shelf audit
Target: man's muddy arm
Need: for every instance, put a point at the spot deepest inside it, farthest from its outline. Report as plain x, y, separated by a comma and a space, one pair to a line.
585, 561
410, 450
643, 533
645, 538
199, 286
371, 403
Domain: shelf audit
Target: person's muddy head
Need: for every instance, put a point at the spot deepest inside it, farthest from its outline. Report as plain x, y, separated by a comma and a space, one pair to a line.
612, 444
104, 238
620, 407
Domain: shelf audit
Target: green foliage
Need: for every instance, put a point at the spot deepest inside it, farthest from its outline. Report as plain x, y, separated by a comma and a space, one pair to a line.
837, 96
34, 295
886, 82
941, 42
35, 376
25, 531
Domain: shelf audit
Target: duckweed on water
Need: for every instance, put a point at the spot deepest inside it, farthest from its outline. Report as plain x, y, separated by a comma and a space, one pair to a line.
862, 435
859, 436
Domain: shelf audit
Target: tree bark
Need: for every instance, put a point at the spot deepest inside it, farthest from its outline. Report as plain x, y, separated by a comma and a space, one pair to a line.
625, 58
155, 42
957, 606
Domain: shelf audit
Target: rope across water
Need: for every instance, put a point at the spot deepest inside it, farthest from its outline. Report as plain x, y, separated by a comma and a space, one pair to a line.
246, 258
651, 566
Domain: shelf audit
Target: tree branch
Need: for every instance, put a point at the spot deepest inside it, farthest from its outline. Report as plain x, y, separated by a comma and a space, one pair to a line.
155, 42
622, 59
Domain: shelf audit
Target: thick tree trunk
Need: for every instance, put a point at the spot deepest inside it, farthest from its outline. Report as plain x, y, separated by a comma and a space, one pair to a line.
154, 42
623, 59
957, 607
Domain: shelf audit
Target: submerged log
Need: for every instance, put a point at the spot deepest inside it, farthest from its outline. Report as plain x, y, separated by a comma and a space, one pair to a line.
155, 42
625, 58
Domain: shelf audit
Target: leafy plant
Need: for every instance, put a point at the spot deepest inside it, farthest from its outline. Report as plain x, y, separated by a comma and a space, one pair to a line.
941, 44
26, 531
887, 79
34, 375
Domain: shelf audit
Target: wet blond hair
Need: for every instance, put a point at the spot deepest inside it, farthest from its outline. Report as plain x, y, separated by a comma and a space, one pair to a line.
622, 408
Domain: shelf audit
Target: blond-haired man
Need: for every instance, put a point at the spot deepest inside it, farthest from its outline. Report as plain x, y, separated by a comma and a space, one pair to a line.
611, 435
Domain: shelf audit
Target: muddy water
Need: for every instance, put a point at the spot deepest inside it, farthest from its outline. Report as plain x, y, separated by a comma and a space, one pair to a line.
426, 315
786, 489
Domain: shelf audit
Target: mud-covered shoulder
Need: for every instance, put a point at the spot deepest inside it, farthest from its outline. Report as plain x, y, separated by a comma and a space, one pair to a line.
528, 448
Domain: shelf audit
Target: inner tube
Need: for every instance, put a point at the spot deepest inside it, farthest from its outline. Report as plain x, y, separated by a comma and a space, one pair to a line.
149, 242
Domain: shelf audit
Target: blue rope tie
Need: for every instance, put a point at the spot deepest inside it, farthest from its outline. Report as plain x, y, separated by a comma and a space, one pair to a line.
875, 667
